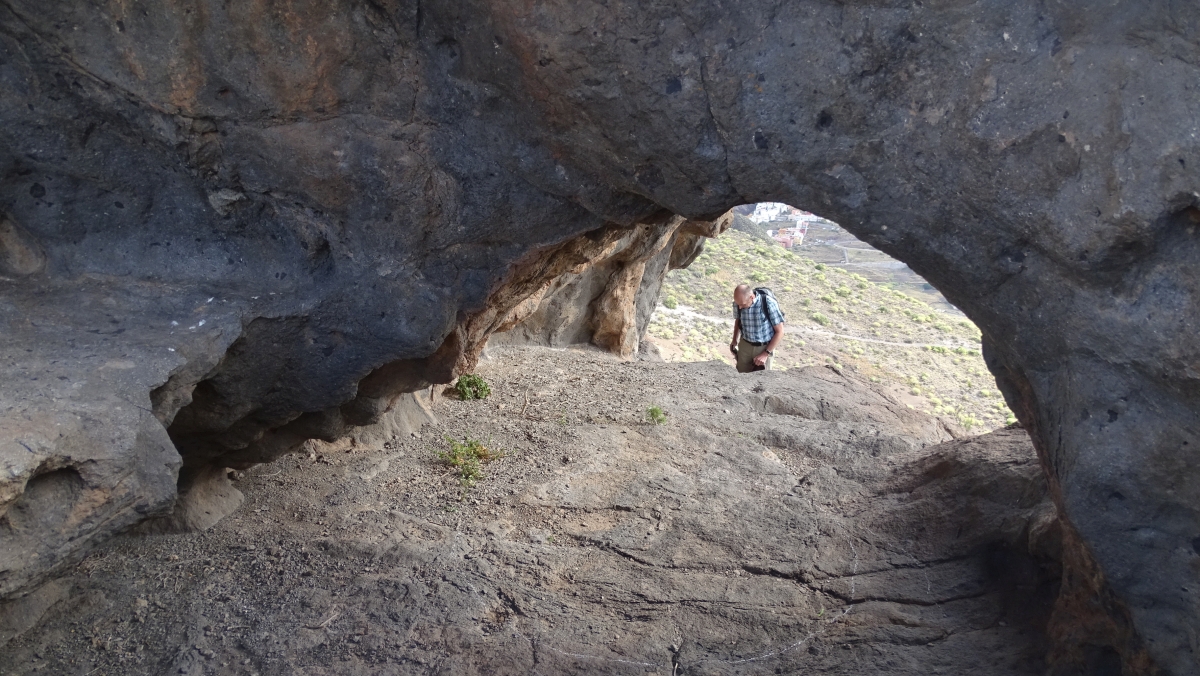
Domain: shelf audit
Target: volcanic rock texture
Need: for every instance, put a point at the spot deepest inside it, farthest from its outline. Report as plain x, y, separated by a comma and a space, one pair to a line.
230, 227
792, 522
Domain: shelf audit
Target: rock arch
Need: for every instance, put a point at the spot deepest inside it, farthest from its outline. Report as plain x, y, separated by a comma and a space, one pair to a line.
257, 224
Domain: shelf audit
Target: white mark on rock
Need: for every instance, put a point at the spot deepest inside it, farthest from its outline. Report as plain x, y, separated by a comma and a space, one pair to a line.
222, 200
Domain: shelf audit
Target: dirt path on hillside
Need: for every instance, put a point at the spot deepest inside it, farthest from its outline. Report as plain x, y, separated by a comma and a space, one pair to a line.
685, 312
791, 522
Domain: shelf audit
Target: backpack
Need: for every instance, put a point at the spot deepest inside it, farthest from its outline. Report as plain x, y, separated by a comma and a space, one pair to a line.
767, 293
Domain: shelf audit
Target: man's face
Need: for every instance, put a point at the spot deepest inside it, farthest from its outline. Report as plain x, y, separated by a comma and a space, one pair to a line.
743, 300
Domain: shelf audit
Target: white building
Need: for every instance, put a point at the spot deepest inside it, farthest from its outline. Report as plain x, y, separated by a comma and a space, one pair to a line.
765, 212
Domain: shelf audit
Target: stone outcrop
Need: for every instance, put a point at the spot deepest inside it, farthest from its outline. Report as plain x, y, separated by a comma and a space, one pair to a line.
608, 301
225, 229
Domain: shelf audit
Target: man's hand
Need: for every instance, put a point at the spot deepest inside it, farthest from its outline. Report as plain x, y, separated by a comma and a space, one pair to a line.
733, 348
761, 359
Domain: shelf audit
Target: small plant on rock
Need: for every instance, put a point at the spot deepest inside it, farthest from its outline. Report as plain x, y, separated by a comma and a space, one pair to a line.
471, 386
656, 415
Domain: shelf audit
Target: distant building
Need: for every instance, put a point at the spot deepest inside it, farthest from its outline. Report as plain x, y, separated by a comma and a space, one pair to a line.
765, 212
792, 222
789, 237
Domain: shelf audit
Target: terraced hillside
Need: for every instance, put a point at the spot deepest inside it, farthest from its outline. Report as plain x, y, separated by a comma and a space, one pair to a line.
928, 357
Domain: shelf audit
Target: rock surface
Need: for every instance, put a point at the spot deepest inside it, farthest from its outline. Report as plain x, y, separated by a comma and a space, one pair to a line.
257, 225
781, 523
608, 302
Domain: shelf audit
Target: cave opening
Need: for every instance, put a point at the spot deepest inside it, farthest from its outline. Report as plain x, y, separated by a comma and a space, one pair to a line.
847, 304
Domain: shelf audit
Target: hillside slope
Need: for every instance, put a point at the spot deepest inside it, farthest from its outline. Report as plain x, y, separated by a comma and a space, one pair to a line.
928, 358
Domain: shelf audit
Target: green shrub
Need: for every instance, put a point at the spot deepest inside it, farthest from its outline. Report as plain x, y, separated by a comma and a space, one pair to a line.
843, 291
466, 460
670, 303
821, 266
758, 277
819, 318
656, 415
471, 386
967, 421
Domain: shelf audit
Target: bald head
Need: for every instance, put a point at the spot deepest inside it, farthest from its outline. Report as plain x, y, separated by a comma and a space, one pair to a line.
743, 295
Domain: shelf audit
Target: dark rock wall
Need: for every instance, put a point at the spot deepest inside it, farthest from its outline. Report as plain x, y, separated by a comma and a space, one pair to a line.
259, 223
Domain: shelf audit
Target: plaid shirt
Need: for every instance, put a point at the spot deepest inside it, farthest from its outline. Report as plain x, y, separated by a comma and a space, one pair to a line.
755, 329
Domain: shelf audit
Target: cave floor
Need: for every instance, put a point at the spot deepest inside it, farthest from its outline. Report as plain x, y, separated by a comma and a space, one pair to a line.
775, 523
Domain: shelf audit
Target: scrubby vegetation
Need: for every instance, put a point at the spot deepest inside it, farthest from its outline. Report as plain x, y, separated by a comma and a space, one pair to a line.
471, 386
466, 459
930, 357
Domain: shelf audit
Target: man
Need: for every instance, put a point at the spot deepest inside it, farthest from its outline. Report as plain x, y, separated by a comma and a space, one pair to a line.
760, 327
